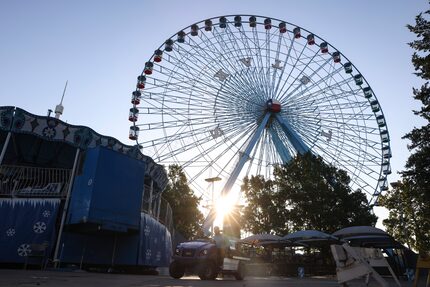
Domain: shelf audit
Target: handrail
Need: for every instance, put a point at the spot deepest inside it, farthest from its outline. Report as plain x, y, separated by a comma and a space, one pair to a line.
26, 181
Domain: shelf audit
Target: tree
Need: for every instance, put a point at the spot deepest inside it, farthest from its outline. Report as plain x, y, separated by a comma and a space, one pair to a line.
409, 202
401, 221
261, 214
305, 194
318, 196
187, 217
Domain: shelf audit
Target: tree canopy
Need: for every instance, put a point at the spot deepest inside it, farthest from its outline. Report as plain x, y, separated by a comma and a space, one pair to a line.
409, 200
187, 217
306, 193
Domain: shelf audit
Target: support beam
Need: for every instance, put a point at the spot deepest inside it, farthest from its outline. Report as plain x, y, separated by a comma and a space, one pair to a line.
280, 147
292, 135
245, 155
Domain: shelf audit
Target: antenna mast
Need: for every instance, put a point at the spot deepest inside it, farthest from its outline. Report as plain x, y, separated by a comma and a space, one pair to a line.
59, 108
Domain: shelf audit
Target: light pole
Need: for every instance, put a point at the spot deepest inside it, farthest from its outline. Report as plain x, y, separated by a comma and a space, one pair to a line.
211, 217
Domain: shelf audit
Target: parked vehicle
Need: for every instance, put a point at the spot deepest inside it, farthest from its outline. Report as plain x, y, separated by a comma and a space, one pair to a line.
201, 257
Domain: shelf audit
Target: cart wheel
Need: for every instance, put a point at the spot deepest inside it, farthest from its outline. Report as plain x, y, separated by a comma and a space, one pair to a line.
240, 274
176, 270
208, 271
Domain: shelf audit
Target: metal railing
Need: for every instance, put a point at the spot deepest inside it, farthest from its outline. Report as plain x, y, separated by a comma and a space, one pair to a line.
166, 215
158, 208
24, 181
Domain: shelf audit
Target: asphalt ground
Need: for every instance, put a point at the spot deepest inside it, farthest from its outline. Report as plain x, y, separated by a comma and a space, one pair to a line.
23, 278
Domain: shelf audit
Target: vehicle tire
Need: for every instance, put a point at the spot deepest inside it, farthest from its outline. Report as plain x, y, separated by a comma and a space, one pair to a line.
208, 271
176, 270
240, 274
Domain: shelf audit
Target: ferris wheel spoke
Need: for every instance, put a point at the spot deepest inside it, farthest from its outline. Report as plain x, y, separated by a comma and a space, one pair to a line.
215, 162
205, 73
294, 65
196, 63
287, 96
221, 170
248, 42
352, 135
318, 98
352, 151
352, 131
350, 162
323, 96
278, 50
238, 89
293, 96
232, 35
227, 130
259, 56
350, 142
240, 81
183, 78
231, 65
286, 59
179, 136
236, 136
183, 92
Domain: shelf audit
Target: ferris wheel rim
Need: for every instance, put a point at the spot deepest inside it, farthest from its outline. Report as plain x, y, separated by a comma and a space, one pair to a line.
292, 25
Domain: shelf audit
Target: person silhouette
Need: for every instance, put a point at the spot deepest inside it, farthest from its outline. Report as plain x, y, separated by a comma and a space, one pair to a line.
221, 244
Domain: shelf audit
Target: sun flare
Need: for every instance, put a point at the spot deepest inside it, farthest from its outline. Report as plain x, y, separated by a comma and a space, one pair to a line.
224, 206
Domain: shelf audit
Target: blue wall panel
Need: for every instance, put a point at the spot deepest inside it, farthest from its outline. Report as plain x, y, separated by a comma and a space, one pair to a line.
108, 191
90, 248
24, 222
155, 243
152, 246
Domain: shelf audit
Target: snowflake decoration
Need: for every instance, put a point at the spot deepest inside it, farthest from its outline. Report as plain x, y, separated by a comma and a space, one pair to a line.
49, 132
158, 256
46, 213
10, 232
24, 250
147, 230
148, 254
39, 227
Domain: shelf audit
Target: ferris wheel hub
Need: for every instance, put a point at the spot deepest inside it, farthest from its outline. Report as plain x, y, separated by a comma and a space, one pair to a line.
273, 106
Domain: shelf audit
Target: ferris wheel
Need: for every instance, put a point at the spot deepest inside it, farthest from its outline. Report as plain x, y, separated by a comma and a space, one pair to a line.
237, 95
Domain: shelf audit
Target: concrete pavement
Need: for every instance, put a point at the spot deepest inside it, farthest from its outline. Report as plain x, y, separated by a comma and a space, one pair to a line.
24, 278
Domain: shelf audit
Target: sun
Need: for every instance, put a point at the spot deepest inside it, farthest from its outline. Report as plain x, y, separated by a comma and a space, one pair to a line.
224, 205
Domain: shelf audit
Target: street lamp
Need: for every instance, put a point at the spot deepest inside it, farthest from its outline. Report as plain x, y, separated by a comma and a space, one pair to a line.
208, 224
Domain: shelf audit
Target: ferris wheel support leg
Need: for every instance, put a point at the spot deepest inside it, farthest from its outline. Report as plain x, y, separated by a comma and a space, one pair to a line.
281, 148
292, 135
245, 156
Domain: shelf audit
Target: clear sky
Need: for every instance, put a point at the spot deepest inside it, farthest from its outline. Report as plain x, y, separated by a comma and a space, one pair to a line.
100, 46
